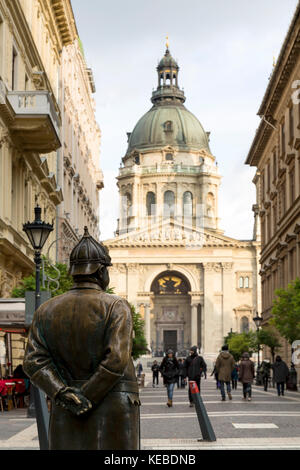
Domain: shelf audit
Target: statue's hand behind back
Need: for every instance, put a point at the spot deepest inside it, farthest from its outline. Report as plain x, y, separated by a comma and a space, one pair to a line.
72, 399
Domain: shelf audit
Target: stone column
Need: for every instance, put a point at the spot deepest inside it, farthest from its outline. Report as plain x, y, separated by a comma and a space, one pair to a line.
147, 324
194, 325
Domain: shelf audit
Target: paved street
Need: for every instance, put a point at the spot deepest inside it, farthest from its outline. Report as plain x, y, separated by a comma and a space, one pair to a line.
268, 422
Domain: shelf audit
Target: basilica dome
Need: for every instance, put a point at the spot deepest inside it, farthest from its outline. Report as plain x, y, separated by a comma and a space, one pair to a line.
168, 125
168, 122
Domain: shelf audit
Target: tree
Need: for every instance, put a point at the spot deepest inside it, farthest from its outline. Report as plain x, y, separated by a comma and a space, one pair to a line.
286, 311
65, 281
139, 346
238, 343
268, 337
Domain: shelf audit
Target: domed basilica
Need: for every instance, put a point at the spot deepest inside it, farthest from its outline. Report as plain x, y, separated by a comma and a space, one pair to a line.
191, 283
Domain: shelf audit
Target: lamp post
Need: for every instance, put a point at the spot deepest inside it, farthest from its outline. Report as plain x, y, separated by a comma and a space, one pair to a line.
258, 321
38, 233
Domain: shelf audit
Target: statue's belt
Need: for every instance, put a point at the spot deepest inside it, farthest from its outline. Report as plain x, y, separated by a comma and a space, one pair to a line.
122, 386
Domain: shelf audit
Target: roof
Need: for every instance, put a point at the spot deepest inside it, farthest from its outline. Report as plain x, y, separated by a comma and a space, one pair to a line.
151, 131
288, 58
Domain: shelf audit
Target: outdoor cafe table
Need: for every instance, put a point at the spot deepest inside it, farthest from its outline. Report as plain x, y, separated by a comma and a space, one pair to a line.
10, 386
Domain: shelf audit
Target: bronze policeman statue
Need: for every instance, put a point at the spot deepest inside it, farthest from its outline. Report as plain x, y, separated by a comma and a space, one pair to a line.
79, 354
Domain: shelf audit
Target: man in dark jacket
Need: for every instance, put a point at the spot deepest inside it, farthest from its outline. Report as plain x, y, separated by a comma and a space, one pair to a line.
281, 372
79, 354
246, 375
155, 371
194, 365
224, 366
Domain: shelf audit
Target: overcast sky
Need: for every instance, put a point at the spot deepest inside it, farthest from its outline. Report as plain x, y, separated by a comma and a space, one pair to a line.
225, 51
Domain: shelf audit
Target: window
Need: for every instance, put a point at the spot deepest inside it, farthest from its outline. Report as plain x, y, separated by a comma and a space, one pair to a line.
246, 282
187, 204
169, 156
263, 184
291, 124
241, 282
1, 45
292, 185
126, 204
244, 325
274, 218
268, 177
282, 139
150, 203
274, 165
14, 69
26, 87
169, 203
168, 126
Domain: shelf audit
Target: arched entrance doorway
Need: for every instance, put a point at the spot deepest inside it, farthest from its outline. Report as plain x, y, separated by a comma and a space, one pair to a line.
171, 328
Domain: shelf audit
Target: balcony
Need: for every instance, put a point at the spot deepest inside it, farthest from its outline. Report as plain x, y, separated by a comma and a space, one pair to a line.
168, 168
36, 123
31, 118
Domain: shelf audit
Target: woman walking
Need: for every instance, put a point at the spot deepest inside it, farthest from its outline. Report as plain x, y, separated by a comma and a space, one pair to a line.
281, 372
246, 375
234, 377
170, 370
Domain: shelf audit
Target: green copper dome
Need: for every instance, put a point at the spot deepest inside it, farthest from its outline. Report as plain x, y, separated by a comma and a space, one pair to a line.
168, 122
168, 125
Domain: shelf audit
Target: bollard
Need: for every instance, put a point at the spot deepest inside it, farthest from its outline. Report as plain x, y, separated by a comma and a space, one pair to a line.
204, 422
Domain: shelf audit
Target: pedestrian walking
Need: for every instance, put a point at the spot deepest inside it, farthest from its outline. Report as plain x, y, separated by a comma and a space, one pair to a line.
204, 372
170, 370
264, 371
155, 373
246, 375
281, 372
224, 365
234, 377
215, 373
181, 379
193, 368
139, 369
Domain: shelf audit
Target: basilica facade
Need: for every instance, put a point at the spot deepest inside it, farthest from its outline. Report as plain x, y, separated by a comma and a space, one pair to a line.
191, 283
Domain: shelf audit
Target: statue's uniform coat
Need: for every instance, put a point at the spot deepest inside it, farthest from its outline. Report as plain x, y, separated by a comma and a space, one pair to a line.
83, 338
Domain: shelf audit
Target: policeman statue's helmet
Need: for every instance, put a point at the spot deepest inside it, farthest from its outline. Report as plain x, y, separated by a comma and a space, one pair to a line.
88, 255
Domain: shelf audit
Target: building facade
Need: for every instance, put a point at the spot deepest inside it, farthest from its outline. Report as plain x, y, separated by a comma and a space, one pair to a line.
49, 140
191, 283
275, 153
79, 173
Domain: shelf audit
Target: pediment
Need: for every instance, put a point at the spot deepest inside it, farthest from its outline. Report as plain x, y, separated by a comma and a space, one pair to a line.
173, 234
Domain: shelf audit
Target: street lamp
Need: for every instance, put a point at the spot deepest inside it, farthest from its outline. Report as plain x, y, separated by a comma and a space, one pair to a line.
258, 321
38, 233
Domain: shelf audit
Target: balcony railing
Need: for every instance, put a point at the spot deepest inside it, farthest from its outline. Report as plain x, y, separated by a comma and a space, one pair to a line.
33, 119
185, 169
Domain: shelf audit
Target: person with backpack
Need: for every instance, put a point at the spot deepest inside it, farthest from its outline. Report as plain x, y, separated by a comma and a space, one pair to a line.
194, 365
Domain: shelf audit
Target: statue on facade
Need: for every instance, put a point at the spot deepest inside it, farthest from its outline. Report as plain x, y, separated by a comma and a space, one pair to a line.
79, 354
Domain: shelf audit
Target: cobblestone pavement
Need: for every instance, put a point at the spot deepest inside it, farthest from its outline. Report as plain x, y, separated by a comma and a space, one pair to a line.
267, 422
